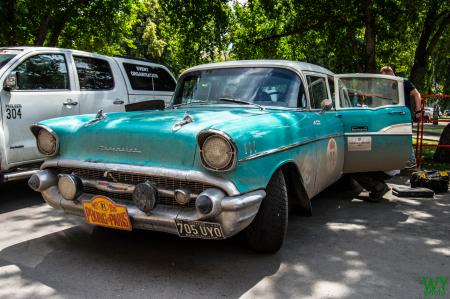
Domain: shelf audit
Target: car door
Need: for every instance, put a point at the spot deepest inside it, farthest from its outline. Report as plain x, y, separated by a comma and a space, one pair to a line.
44, 89
100, 84
377, 125
328, 131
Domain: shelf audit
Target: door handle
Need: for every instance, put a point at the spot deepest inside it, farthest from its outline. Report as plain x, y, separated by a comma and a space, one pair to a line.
70, 103
118, 102
397, 112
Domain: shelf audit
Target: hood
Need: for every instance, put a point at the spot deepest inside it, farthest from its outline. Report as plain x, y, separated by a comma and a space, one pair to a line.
141, 138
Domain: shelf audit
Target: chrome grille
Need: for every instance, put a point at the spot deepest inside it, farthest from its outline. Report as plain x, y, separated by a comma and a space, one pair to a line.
134, 179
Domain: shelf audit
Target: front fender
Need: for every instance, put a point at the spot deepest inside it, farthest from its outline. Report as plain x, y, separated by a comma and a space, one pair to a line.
253, 174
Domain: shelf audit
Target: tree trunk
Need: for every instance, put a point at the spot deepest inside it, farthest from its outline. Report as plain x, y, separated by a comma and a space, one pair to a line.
56, 32
420, 59
352, 37
42, 31
369, 38
436, 22
443, 154
10, 21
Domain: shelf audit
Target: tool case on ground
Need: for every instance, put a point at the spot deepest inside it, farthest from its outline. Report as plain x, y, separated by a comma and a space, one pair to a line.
431, 179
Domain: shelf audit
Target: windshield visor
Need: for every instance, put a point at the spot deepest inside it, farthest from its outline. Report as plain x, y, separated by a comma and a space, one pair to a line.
368, 92
262, 86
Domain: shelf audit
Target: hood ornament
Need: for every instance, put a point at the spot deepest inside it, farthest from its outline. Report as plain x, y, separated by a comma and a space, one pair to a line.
186, 120
98, 117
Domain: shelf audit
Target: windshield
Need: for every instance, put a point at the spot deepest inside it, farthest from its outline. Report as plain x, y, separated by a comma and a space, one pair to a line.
4, 58
368, 92
258, 85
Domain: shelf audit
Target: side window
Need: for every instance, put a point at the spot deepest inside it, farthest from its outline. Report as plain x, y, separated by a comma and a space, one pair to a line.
344, 98
164, 81
145, 77
94, 73
368, 92
43, 71
317, 91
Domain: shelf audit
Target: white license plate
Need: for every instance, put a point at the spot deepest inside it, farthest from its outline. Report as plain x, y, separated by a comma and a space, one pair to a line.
199, 229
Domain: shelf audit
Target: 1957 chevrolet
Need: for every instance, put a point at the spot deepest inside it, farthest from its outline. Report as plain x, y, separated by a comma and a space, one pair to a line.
241, 144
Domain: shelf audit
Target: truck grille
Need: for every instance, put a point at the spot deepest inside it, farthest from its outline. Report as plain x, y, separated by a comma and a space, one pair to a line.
134, 179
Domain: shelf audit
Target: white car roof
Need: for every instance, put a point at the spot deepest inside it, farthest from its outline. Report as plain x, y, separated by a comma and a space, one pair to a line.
297, 65
27, 49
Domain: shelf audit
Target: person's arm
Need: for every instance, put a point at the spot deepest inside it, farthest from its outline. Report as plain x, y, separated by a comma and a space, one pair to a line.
415, 95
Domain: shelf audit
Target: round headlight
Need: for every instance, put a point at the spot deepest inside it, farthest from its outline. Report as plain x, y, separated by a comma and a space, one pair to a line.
46, 142
217, 152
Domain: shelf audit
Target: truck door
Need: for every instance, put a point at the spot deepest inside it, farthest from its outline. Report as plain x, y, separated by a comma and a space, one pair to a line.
43, 90
100, 83
377, 125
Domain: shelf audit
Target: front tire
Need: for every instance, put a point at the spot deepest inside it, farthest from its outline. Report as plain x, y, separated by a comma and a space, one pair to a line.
267, 231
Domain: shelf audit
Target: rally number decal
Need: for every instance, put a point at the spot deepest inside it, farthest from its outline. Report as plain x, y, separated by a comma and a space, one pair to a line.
13, 113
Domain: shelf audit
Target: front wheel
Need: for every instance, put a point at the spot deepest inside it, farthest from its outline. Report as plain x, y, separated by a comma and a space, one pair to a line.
267, 231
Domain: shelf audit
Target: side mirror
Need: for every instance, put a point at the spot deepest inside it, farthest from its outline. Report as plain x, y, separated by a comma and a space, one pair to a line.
10, 82
326, 105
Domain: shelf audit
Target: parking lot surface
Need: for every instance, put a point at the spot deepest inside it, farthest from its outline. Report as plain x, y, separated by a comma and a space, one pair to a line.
349, 248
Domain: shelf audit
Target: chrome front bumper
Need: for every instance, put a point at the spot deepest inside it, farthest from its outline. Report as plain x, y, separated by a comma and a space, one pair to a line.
233, 213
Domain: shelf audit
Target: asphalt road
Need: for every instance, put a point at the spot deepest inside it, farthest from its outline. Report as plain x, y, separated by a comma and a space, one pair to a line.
349, 249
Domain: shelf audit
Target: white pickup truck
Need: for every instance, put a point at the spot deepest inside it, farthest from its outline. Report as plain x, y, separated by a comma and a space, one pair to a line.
39, 83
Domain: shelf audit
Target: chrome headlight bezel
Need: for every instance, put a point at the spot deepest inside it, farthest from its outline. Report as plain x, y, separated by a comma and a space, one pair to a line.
205, 135
36, 130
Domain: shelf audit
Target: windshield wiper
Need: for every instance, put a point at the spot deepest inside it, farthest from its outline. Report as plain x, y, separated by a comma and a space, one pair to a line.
188, 103
241, 102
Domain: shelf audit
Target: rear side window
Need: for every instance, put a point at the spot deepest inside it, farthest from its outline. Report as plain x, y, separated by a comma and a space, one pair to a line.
43, 71
144, 77
94, 73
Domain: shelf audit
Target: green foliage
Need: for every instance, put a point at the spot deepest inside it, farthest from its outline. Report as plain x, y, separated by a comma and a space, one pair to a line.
335, 33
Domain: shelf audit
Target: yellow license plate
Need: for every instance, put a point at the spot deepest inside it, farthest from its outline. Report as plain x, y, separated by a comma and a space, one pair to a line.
102, 211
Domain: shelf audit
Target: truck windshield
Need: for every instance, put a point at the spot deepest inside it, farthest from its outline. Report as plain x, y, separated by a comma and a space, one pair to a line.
4, 58
264, 86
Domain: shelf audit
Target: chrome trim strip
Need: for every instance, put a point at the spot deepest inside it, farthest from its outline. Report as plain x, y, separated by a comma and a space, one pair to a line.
377, 133
189, 175
201, 138
398, 128
35, 130
287, 147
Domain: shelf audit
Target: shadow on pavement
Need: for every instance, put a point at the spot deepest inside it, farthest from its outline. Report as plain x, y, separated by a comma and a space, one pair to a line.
17, 195
348, 249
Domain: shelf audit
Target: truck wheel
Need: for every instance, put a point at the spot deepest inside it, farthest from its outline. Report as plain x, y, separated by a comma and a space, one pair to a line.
267, 231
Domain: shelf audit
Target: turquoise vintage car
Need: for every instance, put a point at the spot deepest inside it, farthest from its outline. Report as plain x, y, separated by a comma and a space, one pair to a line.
241, 144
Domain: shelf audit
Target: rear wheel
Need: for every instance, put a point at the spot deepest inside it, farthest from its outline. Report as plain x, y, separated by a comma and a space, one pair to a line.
267, 231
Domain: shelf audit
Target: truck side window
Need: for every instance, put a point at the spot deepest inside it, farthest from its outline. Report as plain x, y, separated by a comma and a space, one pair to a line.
145, 77
317, 91
140, 76
164, 81
94, 73
43, 72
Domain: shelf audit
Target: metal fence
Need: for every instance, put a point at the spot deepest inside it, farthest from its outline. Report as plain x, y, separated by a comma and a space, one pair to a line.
420, 126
